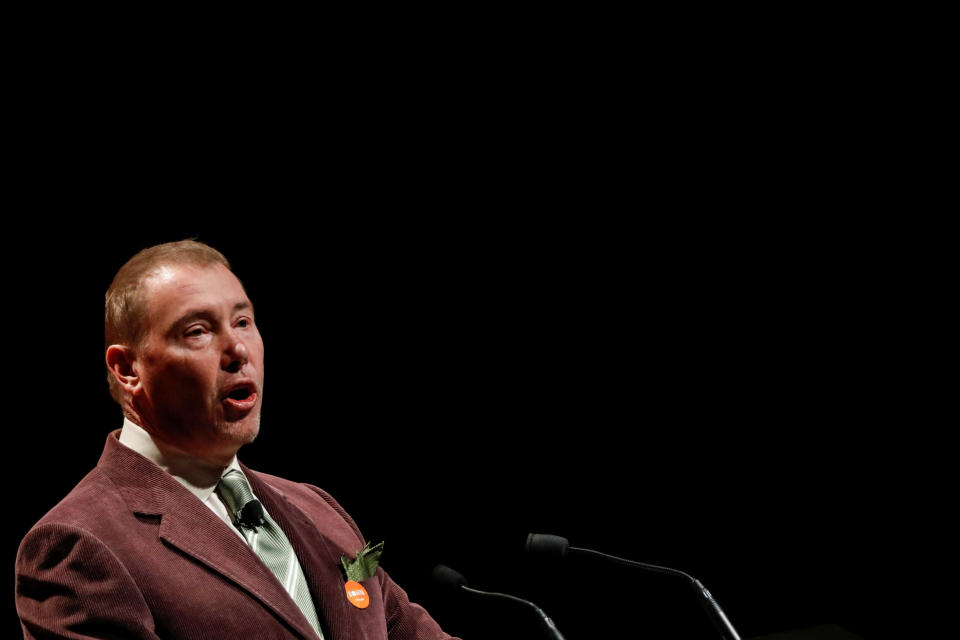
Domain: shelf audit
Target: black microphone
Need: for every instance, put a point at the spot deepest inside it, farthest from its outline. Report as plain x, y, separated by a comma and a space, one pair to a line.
546, 544
450, 578
251, 515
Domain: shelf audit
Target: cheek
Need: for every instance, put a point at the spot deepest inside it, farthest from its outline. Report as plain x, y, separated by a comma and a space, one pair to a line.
184, 381
256, 354
257, 344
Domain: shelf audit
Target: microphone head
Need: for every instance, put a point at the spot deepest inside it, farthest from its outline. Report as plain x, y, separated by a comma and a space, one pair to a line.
252, 514
448, 577
546, 544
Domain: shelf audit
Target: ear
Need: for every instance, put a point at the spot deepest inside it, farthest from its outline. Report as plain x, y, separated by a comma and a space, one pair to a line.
120, 364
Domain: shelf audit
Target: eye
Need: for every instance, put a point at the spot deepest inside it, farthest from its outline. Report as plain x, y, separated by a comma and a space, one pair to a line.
243, 323
195, 332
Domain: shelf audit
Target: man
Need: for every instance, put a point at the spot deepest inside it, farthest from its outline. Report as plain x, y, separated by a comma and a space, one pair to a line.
170, 536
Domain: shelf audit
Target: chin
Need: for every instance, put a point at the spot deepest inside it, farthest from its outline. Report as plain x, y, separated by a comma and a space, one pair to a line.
244, 431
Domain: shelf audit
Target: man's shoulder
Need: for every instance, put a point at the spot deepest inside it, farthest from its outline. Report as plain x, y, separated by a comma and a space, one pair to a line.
93, 512
96, 499
87, 505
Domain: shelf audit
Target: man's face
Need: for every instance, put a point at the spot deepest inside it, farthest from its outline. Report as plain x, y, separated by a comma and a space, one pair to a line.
200, 363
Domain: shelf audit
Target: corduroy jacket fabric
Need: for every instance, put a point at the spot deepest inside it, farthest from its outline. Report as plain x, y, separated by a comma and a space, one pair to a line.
131, 553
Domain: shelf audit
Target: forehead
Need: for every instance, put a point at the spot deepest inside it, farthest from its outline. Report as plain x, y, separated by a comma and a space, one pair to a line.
172, 290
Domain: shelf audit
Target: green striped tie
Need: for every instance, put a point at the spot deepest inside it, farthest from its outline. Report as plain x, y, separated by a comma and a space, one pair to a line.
267, 540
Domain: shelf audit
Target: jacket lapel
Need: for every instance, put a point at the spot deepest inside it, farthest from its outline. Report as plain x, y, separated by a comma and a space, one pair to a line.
319, 559
190, 526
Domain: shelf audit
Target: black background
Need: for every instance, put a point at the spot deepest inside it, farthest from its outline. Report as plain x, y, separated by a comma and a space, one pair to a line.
667, 394
661, 301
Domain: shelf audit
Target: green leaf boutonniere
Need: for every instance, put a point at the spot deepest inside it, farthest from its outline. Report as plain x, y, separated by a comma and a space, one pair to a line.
364, 565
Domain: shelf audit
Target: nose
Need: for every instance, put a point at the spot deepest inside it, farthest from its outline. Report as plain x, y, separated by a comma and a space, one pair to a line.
235, 355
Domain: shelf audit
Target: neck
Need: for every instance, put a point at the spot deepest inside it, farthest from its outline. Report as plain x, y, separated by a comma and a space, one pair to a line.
201, 469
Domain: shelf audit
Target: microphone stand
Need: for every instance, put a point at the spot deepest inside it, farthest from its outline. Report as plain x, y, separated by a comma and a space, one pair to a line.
717, 617
551, 626
452, 579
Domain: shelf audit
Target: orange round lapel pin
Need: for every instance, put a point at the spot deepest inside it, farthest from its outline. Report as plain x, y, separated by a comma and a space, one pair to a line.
357, 595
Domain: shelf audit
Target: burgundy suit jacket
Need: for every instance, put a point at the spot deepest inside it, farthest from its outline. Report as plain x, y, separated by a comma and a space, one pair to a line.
131, 553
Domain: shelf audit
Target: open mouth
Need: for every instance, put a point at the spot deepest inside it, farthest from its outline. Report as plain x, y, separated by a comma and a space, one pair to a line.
240, 394
243, 397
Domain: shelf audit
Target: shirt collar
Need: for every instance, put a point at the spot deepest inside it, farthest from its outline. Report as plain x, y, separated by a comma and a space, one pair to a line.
199, 477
